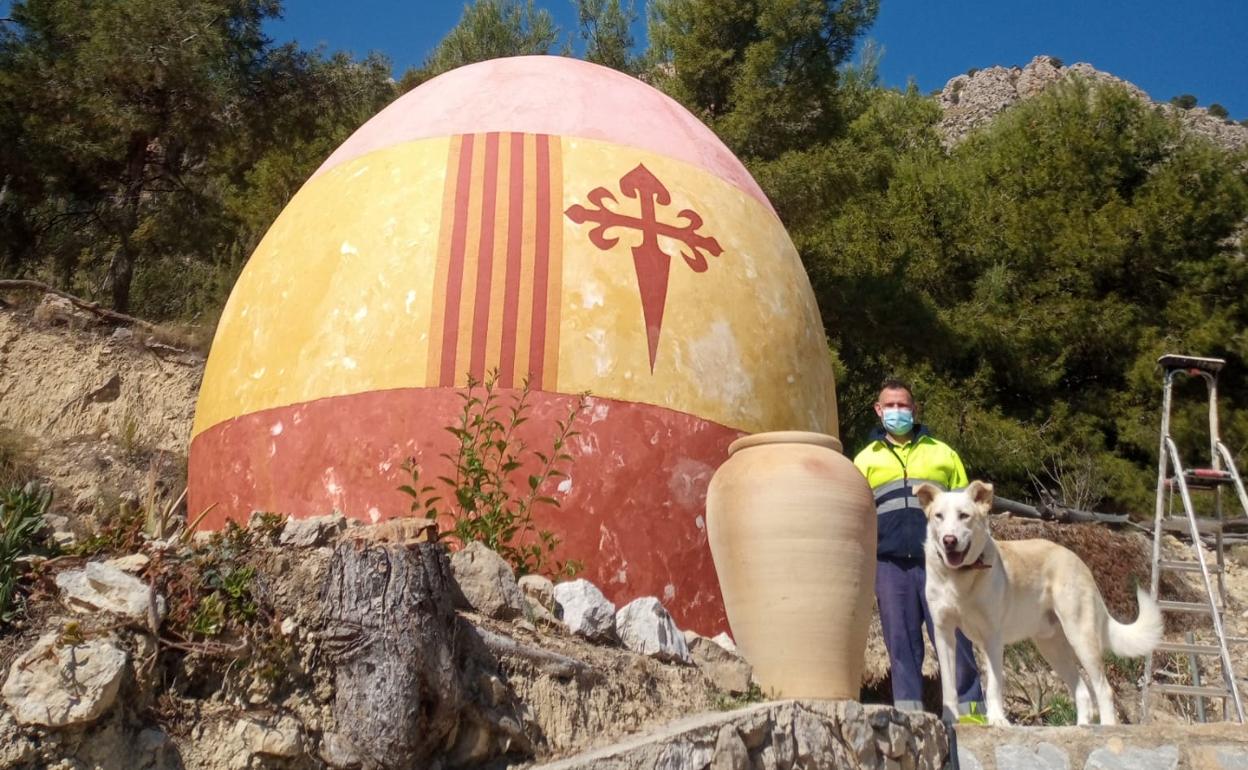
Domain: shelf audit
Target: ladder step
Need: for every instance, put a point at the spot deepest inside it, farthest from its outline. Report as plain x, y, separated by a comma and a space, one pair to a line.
1237, 640
1187, 689
1193, 649
1179, 524
1171, 606
1188, 566
1207, 478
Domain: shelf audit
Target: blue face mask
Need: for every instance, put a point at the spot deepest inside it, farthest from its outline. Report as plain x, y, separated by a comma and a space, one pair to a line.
898, 422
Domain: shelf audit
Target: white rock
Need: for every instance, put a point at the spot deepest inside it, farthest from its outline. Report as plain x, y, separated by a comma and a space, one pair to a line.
100, 587
283, 740
644, 627
308, 533
135, 562
586, 612
486, 581
725, 641
61, 685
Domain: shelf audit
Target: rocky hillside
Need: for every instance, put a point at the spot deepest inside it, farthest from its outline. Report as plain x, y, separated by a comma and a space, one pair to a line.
972, 100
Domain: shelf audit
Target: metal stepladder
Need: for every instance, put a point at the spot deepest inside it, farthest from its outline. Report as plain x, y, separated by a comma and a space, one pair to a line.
1174, 478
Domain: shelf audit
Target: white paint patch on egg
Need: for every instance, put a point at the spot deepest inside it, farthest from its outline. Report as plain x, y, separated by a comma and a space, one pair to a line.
592, 296
699, 522
409, 301
669, 592
604, 362
363, 170
374, 515
565, 486
257, 374
348, 362
276, 429
599, 412
360, 314
725, 378
348, 250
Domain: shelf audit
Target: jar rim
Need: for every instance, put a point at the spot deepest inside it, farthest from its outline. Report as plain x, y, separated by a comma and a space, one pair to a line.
786, 437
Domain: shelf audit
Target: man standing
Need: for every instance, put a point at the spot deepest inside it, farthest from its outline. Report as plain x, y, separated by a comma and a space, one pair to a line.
902, 455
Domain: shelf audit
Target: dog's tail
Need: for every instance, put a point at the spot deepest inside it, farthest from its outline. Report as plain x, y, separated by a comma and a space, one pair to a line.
1141, 637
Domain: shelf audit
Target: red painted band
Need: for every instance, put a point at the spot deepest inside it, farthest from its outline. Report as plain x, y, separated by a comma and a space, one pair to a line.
485, 259
455, 275
632, 508
541, 267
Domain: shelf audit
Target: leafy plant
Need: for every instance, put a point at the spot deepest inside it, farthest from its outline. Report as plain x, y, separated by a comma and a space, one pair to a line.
120, 531
21, 519
1060, 711
486, 503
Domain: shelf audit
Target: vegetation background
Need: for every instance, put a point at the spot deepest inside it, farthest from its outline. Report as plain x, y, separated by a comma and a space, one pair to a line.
1026, 280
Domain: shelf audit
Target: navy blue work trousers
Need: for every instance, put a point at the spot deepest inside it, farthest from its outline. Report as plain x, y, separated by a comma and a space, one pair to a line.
899, 590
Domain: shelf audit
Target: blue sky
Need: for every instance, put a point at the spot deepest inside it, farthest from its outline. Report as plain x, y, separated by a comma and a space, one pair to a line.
1166, 47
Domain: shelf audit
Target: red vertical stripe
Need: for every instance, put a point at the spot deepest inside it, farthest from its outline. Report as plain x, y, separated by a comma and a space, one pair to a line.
541, 267
485, 257
455, 275
515, 237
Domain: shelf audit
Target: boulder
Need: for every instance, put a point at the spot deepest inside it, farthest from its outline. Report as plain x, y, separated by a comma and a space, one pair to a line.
309, 533
60, 685
727, 671
586, 612
486, 582
725, 641
101, 587
645, 627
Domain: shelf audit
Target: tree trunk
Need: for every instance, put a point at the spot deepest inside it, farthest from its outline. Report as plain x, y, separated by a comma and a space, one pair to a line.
390, 633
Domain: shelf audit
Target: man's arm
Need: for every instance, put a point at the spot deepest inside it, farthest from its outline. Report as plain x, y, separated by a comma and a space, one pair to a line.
958, 479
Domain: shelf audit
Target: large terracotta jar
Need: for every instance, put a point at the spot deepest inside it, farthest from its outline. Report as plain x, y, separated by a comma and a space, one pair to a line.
792, 531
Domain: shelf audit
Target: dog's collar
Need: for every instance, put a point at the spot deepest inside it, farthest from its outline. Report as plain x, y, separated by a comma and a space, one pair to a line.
977, 564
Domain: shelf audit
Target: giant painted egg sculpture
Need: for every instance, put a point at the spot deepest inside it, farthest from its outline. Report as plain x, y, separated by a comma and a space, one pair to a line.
541, 216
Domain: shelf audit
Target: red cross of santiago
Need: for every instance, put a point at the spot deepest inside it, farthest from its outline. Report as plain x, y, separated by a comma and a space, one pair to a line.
652, 263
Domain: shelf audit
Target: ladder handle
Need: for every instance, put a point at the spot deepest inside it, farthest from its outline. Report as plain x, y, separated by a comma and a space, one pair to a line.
1235, 477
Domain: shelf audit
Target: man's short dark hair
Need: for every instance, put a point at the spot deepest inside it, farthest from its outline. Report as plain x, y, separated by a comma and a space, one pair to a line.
896, 383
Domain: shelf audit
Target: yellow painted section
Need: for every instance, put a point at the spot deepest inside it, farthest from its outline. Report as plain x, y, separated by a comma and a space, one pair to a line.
338, 298
742, 344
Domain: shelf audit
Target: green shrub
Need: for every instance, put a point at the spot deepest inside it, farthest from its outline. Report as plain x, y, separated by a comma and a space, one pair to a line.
21, 520
482, 495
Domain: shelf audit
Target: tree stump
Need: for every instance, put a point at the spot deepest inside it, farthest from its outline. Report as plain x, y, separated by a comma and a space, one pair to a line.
389, 630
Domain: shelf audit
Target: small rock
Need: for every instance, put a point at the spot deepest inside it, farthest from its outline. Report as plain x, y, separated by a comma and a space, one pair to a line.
725, 641
309, 533
54, 310
645, 627
87, 497
486, 582
100, 587
122, 334
1042, 756
60, 685
586, 612
288, 626
134, 562
727, 671
283, 740
539, 589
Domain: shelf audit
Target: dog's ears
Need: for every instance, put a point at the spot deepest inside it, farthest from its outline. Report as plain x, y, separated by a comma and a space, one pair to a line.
926, 493
980, 493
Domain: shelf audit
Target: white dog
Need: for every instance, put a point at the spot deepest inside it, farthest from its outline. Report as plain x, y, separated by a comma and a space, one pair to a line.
1000, 593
